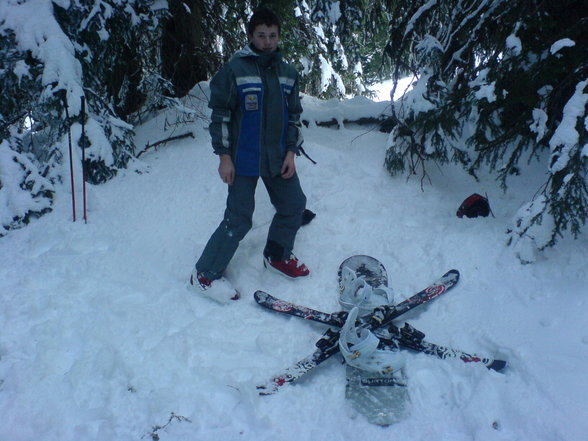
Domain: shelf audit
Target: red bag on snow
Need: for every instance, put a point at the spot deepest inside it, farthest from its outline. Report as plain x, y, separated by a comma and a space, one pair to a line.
474, 206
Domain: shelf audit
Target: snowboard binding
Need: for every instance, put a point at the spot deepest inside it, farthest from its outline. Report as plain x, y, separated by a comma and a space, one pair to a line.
360, 348
363, 291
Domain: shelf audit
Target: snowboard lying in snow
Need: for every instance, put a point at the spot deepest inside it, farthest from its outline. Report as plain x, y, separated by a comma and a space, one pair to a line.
380, 397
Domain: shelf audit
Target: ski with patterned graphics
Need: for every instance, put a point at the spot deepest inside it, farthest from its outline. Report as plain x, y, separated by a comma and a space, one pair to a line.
406, 337
328, 346
337, 319
273, 303
410, 338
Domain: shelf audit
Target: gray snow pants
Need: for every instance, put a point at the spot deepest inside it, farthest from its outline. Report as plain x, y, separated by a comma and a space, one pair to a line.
288, 199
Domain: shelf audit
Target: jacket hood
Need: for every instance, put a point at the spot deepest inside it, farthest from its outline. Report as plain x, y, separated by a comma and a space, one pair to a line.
249, 51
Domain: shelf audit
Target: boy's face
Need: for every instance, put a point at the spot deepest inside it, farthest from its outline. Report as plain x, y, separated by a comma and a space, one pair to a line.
265, 38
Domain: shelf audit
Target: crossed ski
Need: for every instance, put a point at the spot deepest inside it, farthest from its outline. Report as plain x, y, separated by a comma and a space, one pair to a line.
380, 318
406, 337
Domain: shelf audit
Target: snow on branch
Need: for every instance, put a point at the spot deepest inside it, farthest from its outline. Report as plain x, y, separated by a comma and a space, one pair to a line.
24, 193
37, 31
566, 138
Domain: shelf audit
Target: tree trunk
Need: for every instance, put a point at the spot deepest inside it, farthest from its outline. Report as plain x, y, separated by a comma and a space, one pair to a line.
183, 34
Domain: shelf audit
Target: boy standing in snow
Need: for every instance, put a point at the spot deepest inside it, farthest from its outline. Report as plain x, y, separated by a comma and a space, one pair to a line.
255, 131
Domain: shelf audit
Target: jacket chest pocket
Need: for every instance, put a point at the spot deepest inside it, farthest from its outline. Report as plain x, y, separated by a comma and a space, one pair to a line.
251, 101
250, 90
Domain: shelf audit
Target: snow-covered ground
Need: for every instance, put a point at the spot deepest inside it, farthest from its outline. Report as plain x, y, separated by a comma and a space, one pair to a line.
101, 338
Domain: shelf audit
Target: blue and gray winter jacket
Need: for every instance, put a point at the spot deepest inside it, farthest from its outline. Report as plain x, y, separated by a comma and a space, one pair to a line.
255, 112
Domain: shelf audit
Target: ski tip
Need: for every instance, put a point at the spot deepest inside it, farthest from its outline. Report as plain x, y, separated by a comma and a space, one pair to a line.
262, 392
267, 389
497, 365
260, 295
451, 277
274, 385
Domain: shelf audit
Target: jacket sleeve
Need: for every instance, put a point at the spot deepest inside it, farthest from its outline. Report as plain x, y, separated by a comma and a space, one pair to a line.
294, 137
223, 101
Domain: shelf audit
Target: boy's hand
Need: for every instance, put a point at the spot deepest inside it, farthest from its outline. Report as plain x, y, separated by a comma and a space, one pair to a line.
226, 169
289, 166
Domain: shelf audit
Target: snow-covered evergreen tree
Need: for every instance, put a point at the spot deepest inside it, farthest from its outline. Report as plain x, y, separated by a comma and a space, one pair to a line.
499, 83
117, 47
54, 52
24, 193
337, 45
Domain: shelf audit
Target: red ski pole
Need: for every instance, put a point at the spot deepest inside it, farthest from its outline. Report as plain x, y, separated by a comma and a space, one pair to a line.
71, 172
84, 143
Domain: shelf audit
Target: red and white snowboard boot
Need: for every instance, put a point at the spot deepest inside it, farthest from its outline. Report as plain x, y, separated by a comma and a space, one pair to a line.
219, 290
291, 267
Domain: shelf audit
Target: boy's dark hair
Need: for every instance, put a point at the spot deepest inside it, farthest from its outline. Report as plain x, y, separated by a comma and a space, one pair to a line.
263, 16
